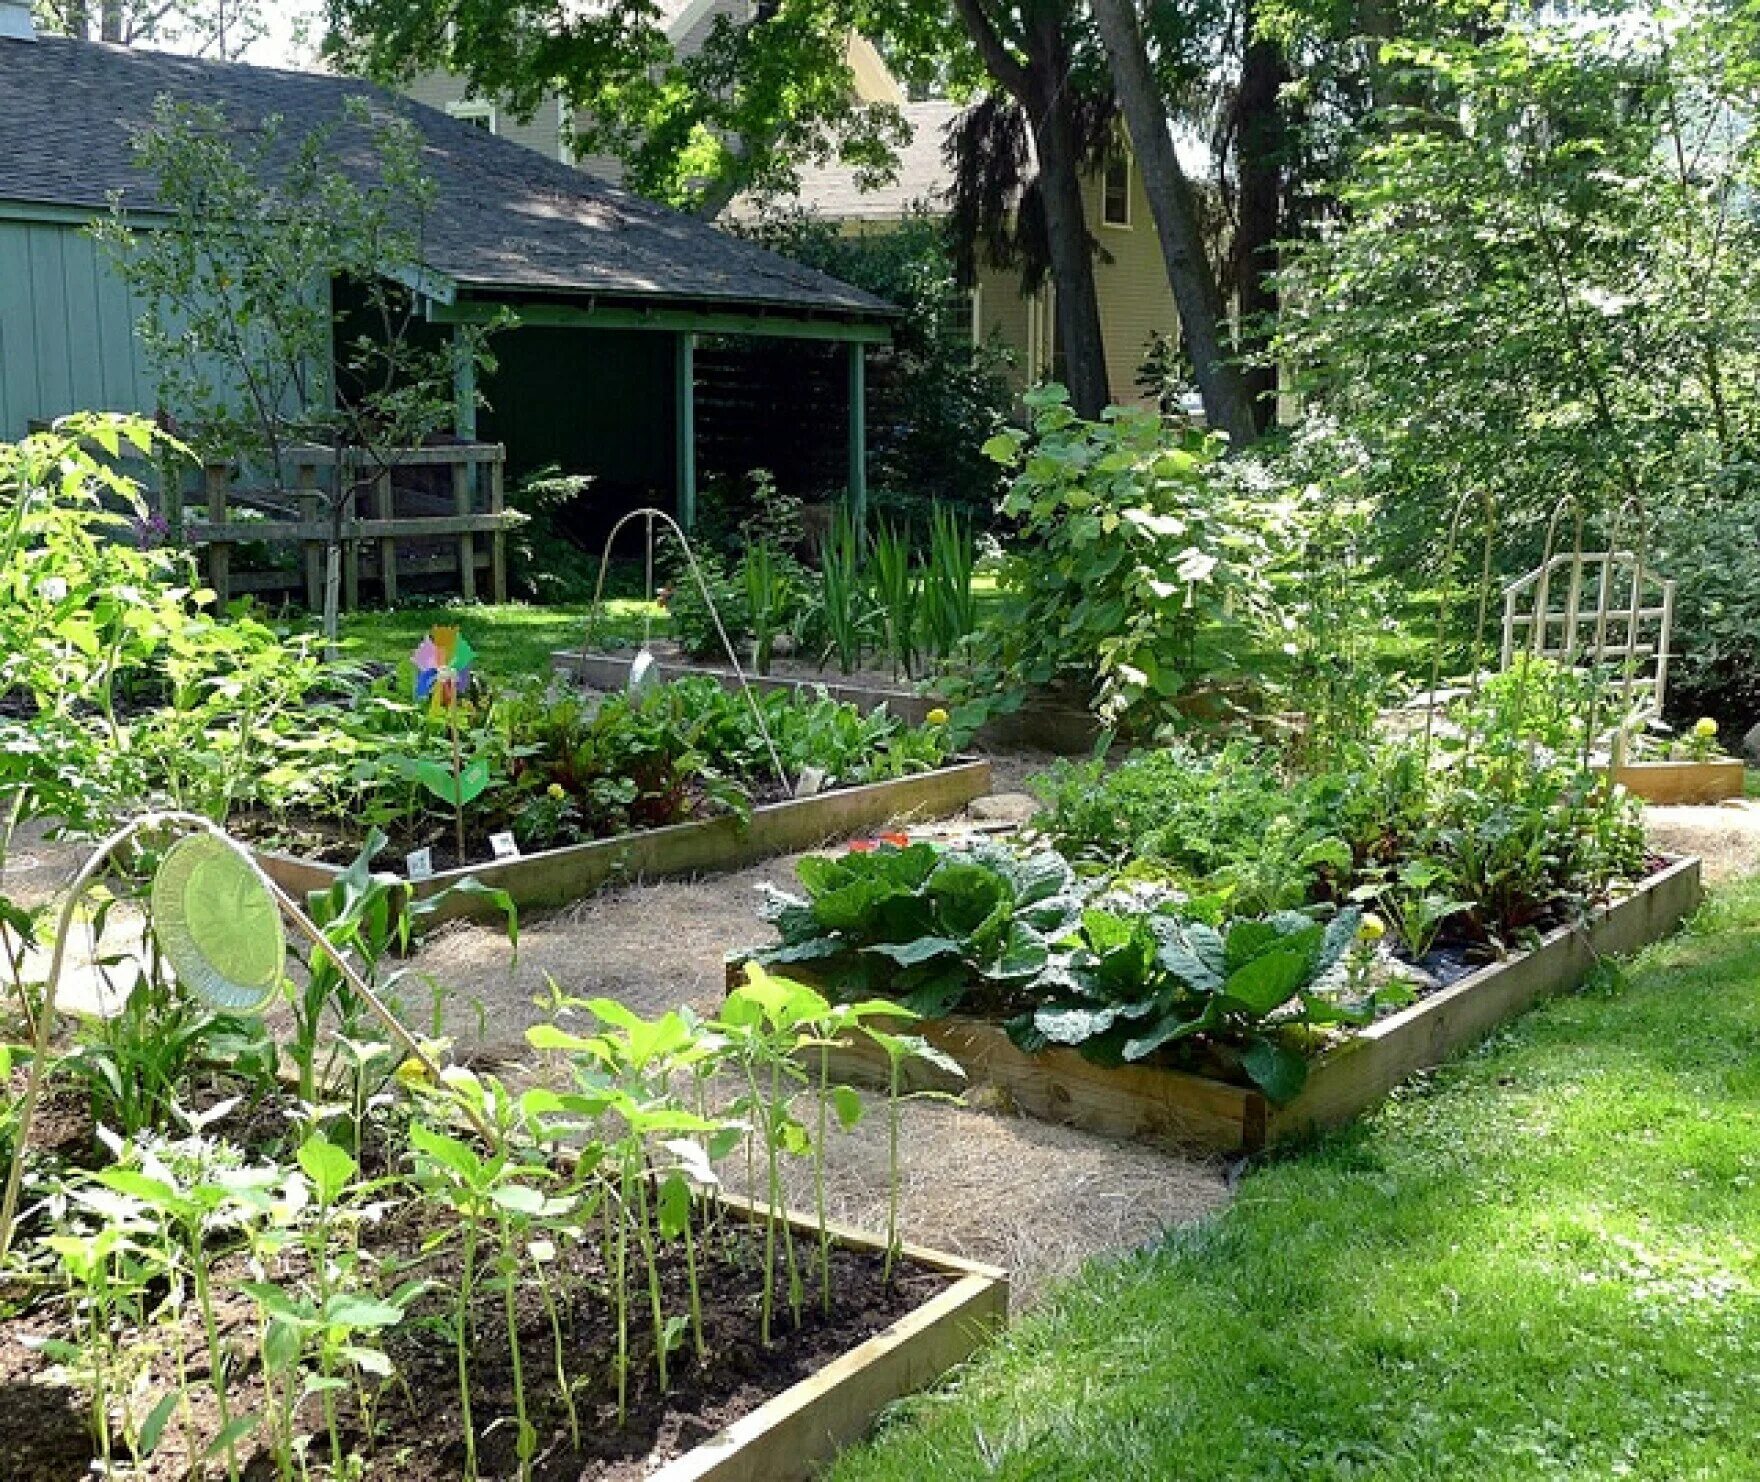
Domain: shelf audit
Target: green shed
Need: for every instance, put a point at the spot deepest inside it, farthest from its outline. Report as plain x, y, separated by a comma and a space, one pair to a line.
610, 294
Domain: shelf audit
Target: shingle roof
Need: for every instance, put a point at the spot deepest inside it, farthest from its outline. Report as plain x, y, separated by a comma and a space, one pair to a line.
922, 178
506, 218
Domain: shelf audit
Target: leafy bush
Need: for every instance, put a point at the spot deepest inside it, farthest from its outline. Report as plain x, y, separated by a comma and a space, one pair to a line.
1134, 569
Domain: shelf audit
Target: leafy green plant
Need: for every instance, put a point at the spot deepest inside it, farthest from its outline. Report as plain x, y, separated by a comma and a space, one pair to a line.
769, 597
949, 606
844, 600
1135, 570
897, 594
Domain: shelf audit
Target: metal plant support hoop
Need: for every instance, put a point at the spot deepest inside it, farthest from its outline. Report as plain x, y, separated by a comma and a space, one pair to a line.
1487, 505
649, 515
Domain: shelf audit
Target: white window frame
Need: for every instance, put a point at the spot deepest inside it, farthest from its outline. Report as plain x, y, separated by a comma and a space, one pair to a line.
1117, 157
473, 110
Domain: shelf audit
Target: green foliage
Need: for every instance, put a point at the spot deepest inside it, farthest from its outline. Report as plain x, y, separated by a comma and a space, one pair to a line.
658, 757
1540, 287
743, 109
1134, 568
1119, 973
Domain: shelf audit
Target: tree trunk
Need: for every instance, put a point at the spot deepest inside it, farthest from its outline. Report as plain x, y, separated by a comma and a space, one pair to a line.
110, 21
1068, 243
1227, 404
1260, 142
1041, 85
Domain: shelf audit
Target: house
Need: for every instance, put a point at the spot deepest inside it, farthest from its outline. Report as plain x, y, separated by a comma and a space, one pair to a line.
1130, 276
610, 294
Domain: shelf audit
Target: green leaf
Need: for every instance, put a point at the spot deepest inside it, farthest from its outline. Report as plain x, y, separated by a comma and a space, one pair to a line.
153, 1428
1267, 982
1277, 1070
327, 1166
848, 1106
351, 1310
1073, 1026
518, 1198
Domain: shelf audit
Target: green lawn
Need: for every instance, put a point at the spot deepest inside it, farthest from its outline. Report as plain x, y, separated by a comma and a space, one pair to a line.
511, 640
1543, 1264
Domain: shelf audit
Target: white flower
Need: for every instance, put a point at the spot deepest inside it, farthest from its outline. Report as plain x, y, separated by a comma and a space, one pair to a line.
53, 589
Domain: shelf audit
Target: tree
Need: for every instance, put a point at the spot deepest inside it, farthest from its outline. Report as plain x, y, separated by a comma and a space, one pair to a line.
1031, 49
1541, 285
223, 29
241, 284
1227, 404
742, 113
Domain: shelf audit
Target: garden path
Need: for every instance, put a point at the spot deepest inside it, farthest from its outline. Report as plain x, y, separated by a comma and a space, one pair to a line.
1034, 1198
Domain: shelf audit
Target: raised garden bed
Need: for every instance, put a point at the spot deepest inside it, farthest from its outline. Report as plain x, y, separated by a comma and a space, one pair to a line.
788, 1436
793, 1407
1063, 729
1182, 1110
1711, 781
557, 876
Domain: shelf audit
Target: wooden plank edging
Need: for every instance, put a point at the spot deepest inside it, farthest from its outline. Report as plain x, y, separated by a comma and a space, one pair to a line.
558, 876
1713, 781
1178, 1109
786, 1437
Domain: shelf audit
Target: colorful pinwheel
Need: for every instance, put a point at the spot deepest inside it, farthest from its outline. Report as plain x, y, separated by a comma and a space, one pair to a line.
443, 666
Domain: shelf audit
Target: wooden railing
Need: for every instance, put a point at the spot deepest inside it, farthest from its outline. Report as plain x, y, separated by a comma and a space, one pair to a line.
450, 501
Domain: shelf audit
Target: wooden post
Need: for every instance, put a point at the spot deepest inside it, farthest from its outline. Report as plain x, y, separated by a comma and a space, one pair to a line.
498, 541
311, 508
685, 429
384, 509
858, 435
464, 386
214, 482
463, 497
348, 489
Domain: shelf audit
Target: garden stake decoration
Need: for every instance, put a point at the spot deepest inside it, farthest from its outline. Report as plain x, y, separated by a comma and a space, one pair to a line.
212, 945
443, 673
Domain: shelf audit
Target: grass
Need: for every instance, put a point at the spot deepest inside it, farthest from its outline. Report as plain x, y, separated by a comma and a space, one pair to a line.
511, 639
1543, 1263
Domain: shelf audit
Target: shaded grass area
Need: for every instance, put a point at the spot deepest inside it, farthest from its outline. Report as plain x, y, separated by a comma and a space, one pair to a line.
512, 639
1542, 1263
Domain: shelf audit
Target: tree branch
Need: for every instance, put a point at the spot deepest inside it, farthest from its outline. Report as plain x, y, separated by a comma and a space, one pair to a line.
997, 58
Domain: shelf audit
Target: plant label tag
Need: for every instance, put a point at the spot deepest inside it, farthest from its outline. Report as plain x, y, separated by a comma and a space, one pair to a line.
504, 845
419, 863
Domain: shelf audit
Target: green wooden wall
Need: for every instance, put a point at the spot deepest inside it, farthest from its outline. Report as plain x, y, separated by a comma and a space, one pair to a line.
67, 339
592, 401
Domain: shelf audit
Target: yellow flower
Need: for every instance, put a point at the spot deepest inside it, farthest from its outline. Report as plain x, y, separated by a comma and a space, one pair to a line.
937, 717
1372, 928
412, 1072
1705, 727
556, 791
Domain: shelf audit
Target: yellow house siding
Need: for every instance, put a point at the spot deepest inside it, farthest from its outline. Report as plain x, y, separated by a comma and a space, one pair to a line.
1135, 300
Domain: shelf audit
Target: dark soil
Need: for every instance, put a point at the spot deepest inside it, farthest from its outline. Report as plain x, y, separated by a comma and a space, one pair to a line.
415, 1430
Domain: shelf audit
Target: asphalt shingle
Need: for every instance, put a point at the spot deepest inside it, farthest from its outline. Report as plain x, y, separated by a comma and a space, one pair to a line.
506, 219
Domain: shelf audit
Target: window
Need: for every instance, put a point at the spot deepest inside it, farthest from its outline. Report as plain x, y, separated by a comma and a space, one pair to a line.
473, 112
1115, 202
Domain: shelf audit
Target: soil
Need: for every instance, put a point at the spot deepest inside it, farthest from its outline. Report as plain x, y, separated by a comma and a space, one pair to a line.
415, 1432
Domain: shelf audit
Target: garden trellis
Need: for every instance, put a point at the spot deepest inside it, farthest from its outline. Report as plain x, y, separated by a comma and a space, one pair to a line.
1604, 610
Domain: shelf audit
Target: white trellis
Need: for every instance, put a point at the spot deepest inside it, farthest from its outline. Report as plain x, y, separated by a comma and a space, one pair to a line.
1603, 610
